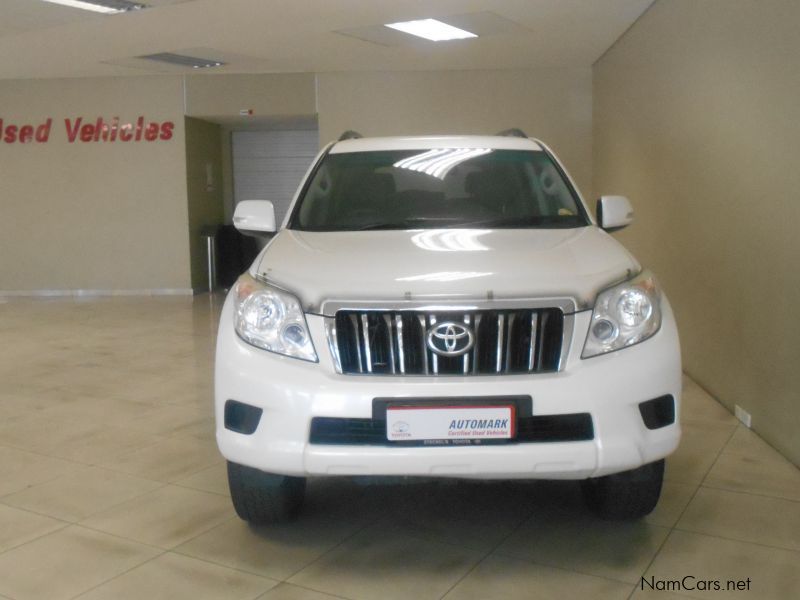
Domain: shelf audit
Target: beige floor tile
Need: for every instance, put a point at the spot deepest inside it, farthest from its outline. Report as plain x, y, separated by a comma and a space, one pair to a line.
34, 433
171, 576
276, 551
699, 406
16, 403
746, 517
105, 443
287, 591
173, 459
82, 493
747, 443
673, 501
165, 517
649, 594
20, 469
111, 411
373, 565
699, 446
778, 478
74, 382
773, 572
334, 510
65, 563
512, 579
579, 541
72, 435
144, 410
214, 479
20, 526
169, 419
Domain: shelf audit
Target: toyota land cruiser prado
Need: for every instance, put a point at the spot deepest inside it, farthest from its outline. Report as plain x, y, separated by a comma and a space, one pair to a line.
448, 307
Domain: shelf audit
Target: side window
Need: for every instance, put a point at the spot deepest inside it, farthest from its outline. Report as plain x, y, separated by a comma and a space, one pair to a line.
555, 197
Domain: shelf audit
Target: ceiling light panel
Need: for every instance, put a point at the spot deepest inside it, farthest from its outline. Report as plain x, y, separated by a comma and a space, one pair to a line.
431, 29
482, 24
109, 7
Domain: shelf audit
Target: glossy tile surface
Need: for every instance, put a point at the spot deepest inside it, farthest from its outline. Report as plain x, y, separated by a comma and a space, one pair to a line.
502, 577
111, 486
172, 576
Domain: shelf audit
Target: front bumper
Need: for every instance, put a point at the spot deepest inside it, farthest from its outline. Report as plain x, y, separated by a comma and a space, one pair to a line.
291, 392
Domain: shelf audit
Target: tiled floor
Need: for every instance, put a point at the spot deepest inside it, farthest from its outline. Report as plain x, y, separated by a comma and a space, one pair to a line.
111, 488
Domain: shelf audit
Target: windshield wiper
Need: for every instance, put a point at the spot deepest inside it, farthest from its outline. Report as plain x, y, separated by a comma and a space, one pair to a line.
531, 221
377, 226
496, 222
410, 223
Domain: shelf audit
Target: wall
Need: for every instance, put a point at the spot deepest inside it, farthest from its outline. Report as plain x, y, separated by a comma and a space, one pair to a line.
277, 101
204, 192
115, 216
269, 123
93, 215
273, 94
551, 104
697, 118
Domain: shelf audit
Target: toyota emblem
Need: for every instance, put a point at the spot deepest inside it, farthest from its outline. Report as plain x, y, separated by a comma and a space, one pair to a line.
450, 339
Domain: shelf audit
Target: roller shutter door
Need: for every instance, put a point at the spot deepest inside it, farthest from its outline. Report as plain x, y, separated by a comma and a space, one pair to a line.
269, 165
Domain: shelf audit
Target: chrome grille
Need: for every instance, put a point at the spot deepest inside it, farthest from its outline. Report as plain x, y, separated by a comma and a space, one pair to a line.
387, 342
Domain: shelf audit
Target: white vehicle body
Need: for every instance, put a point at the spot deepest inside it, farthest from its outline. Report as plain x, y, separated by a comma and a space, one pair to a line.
435, 270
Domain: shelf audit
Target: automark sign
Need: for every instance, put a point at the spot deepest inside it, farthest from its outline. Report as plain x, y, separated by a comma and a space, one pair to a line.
82, 130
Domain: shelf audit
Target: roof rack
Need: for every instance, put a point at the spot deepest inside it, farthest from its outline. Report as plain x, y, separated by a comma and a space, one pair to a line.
350, 135
513, 132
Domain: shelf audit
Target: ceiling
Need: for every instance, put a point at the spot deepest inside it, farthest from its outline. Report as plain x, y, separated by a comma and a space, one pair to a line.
43, 40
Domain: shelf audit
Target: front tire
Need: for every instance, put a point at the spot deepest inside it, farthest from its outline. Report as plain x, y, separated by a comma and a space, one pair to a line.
627, 495
262, 498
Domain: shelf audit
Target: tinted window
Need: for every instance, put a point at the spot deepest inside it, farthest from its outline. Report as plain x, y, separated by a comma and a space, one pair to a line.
442, 188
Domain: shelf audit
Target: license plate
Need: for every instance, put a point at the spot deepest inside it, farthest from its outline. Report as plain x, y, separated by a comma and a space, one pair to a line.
410, 423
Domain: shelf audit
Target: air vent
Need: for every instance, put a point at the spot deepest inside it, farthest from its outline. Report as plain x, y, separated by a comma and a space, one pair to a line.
183, 61
109, 7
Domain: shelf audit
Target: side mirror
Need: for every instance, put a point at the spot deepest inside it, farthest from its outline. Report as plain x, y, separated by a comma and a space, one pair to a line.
255, 217
614, 212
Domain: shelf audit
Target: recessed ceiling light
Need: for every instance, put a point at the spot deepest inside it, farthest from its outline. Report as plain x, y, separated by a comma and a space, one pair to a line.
109, 7
431, 29
183, 61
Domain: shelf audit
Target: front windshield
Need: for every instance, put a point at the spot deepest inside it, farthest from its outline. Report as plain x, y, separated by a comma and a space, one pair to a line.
440, 188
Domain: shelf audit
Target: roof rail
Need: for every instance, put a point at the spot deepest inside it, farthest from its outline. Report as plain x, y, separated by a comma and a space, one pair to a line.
513, 132
350, 135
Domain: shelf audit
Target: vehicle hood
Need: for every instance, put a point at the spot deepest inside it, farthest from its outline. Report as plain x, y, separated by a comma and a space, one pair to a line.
444, 264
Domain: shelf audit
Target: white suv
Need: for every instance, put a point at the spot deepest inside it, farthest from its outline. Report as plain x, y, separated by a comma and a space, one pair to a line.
448, 307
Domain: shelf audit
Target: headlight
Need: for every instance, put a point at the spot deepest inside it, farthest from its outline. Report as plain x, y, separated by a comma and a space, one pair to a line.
271, 319
624, 315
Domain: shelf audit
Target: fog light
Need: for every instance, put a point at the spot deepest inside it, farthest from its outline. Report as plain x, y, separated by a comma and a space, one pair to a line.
658, 412
241, 417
